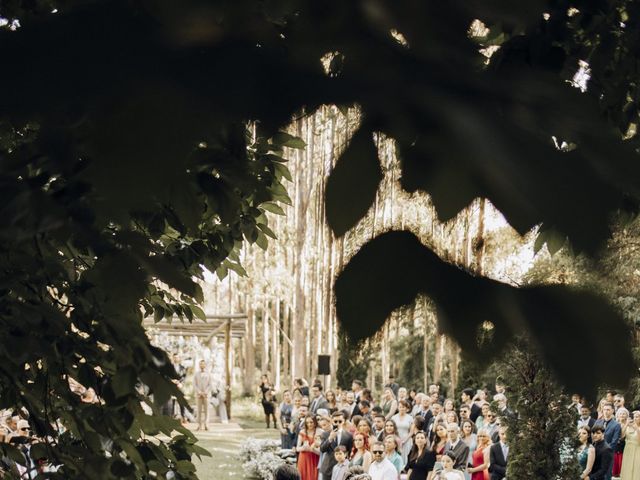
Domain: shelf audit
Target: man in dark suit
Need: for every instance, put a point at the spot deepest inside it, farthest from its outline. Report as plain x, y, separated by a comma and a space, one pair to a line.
612, 430
318, 400
499, 456
378, 427
459, 448
585, 420
330, 440
467, 396
604, 455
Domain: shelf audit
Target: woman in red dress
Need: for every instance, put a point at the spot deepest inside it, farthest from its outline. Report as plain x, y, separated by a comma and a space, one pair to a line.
308, 452
480, 457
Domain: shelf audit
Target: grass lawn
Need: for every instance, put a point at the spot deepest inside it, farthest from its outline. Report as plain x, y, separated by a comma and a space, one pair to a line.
223, 442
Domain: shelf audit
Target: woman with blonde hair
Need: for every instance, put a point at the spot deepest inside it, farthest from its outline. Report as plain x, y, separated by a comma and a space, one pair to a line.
631, 459
480, 457
389, 403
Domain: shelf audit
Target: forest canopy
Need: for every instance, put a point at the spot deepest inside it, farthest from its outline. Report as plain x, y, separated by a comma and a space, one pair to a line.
126, 159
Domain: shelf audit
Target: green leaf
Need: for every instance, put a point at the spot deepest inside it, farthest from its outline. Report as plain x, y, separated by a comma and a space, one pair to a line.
282, 171
272, 207
287, 140
198, 312
262, 242
267, 231
124, 381
352, 186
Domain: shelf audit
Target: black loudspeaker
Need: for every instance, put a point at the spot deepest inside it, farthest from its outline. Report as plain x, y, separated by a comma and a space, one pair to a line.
324, 367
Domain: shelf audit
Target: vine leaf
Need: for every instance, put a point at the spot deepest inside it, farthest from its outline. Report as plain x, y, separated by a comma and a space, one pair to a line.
392, 269
353, 183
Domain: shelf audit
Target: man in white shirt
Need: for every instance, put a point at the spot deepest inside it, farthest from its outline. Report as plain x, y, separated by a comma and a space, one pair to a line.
381, 468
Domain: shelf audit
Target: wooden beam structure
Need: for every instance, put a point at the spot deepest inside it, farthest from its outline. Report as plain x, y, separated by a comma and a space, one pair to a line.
222, 326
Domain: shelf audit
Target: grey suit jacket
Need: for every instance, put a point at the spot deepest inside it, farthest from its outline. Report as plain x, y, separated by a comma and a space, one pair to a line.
462, 454
327, 447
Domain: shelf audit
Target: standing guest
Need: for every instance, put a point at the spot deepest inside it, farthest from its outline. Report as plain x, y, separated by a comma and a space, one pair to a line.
604, 455
482, 420
364, 427
302, 385
492, 426
286, 472
182, 375
330, 440
349, 403
465, 413
300, 424
353, 424
389, 404
341, 468
356, 388
480, 398
284, 413
368, 396
466, 397
631, 460
360, 454
318, 400
451, 417
449, 472
308, 452
424, 409
365, 409
622, 417
468, 436
503, 410
585, 420
332, 401
202, 386
457, 447
439, 441
421, 460
378, 427
618, 402
480, 460
296, 406
448, 406
499, 456
393, 385
418, 426
266, 388
612, 430
391, 429
403, 394
586, 452
413, 397
500, 387
418, 406
381, 468
392, 454
403, 423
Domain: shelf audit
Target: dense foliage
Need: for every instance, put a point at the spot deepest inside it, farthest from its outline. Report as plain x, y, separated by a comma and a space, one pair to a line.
542, 436
125, 160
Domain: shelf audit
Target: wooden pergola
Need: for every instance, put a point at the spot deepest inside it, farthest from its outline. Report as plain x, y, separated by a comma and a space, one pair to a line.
228, 326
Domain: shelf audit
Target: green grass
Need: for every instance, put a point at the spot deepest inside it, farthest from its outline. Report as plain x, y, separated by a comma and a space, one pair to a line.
224, 442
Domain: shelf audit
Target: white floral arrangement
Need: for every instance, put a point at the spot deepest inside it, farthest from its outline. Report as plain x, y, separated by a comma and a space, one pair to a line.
260, 458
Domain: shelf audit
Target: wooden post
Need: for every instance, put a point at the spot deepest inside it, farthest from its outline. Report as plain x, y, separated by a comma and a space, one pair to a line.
227, 364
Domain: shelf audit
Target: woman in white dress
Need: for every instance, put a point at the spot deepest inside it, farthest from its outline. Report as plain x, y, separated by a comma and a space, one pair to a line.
403, 421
